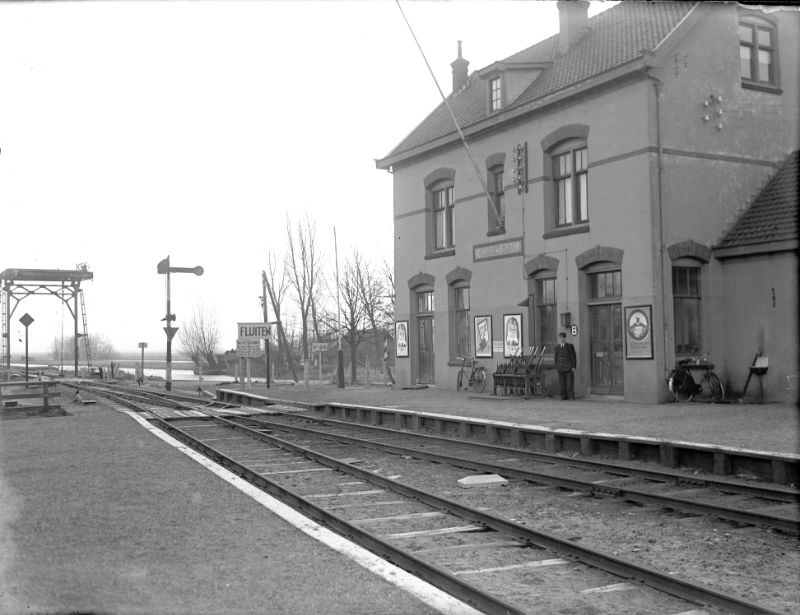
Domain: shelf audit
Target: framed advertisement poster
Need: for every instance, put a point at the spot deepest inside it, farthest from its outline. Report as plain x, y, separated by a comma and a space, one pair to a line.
639, 332
512, 335
401, 339
483, 336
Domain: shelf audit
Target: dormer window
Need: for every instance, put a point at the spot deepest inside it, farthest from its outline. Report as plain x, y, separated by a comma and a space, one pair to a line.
495, 93
507, 80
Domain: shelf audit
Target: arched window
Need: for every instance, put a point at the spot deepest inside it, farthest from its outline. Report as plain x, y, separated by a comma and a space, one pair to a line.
458, 282
566, 171
570, 162
496, 206
439, 204
687, 306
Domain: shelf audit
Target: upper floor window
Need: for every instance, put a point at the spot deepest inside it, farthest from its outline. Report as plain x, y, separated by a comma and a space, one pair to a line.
495, 94
571, 179
497, 216
443, 217
439, 203
758, 52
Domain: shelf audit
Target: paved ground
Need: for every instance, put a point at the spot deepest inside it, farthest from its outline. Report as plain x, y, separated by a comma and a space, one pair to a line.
765, 427
99, 516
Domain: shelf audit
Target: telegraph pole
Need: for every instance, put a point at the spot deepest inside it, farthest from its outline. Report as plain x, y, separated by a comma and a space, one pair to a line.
339, 354
266, 321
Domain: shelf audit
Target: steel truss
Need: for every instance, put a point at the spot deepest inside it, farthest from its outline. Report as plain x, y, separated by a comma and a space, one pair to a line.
17, 284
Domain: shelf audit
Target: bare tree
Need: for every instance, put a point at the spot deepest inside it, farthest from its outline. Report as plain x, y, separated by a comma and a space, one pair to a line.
353, 309
304, 269
199, 337
389, 306
276, 281
372, 288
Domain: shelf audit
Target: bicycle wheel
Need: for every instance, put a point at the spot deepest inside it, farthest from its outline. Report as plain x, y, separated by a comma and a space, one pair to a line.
479, 380
460, 380
682, 386
717, 390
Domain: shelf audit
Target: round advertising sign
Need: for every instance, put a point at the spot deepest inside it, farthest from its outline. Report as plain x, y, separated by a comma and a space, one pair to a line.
638, 325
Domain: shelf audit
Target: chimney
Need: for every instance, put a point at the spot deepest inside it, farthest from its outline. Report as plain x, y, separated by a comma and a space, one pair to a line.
460, 73
573, 19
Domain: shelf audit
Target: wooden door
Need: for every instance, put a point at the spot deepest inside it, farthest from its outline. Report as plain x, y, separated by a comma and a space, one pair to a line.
425, 349
605, 346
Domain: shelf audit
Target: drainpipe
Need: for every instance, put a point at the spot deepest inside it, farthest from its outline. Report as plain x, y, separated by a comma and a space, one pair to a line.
658, 87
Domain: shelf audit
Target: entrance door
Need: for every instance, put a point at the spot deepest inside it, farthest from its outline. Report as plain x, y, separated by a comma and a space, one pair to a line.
605, 344
425, 349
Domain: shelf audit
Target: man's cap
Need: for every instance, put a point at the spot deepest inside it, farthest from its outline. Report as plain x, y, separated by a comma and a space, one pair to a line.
562, 334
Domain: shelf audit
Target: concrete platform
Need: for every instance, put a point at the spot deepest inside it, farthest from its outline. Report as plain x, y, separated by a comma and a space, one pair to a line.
749, 440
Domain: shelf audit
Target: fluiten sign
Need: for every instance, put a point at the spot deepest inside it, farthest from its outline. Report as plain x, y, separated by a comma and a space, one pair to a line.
253, 330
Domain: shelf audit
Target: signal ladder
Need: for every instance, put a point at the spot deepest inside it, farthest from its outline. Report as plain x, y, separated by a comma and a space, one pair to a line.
6, 332
85, 332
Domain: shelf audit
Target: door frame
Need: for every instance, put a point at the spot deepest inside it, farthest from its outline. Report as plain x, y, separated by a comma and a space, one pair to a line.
430, 378
611, 390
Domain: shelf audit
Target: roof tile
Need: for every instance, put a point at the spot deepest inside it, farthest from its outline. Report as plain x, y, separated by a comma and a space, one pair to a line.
613, 38
773, 215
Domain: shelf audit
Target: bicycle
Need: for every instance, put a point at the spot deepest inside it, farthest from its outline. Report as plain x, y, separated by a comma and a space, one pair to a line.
683, 386
475, 379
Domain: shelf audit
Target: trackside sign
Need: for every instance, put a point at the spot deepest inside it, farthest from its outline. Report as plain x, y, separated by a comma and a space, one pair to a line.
253, 330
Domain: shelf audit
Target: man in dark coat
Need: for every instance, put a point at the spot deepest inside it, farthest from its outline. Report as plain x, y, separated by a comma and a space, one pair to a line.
566, 362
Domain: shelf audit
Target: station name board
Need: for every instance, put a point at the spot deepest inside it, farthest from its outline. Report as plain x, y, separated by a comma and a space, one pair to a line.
252, 330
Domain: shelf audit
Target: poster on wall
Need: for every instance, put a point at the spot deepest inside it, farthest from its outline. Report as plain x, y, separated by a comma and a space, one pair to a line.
512, 335
638, 332
401, 338
483, 336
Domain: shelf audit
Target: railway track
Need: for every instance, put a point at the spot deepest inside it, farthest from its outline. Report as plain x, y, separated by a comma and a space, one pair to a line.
742, 502
494, 563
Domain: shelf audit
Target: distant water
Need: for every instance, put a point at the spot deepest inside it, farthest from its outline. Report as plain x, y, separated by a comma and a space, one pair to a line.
181, 374
177, 374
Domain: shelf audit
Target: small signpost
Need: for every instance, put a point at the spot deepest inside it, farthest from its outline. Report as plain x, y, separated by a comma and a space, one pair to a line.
26, 320
319, 348
140, 377
248, 342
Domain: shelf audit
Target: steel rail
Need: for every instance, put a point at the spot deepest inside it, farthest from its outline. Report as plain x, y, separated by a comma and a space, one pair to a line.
770, 491
174, 400
789, 526
432, 574
620, 567
177, 397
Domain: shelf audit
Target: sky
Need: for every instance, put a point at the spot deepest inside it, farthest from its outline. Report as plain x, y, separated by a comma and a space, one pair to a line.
133, 131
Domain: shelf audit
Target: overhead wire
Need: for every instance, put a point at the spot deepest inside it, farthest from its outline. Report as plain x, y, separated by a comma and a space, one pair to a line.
453, 116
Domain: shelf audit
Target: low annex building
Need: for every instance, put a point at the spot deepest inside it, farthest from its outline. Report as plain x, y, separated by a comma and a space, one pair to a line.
627, 195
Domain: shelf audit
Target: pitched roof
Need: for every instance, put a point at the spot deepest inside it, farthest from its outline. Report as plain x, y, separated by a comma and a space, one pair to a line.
773, 215
617, 36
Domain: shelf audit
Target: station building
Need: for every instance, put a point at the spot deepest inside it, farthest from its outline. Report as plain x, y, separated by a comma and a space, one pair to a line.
630, 180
